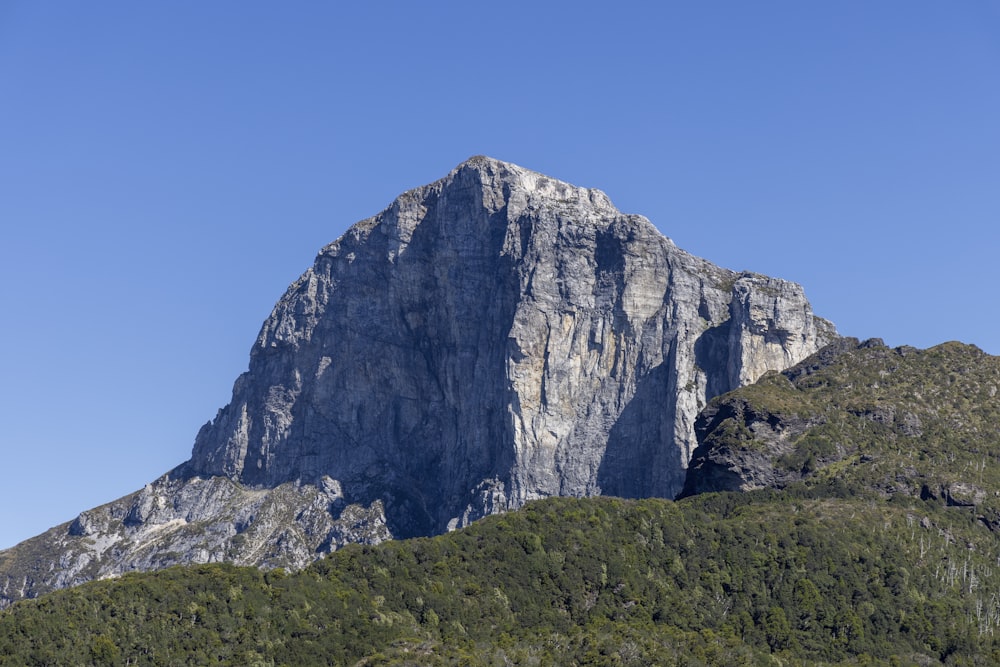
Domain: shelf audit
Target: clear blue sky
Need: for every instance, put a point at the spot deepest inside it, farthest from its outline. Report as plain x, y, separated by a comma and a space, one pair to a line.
167, 169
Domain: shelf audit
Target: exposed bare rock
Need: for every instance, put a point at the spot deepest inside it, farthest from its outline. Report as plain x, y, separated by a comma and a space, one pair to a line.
197, 520
493, 337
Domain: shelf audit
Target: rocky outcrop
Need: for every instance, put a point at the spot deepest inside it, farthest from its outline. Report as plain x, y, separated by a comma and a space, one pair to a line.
741, 447
861, 418
197, 520
493, 337
743, 437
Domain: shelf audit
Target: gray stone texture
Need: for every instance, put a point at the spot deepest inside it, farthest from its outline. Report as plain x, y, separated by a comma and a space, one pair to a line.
491, 338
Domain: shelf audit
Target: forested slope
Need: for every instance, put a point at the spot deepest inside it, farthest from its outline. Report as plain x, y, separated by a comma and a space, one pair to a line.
720, 579
871, 538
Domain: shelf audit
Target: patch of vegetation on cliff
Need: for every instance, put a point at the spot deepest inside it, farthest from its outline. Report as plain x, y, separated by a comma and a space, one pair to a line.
872, 419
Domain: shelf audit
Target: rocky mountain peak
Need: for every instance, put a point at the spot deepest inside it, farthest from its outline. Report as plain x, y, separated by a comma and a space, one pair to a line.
485, 334
491, 338
503, 177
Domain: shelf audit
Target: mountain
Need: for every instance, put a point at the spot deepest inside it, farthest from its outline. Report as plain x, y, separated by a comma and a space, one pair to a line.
494, 337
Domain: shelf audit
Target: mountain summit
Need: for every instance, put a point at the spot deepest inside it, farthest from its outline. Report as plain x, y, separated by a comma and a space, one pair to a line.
491, 338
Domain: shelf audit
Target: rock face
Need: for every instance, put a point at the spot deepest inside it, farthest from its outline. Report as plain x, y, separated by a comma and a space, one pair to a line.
172, 522
491, 338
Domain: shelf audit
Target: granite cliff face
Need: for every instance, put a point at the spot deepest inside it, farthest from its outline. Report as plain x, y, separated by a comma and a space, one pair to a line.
491, 338
495, 337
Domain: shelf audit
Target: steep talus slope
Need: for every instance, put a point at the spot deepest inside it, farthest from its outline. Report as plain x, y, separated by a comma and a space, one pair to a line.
491, 338
864, 418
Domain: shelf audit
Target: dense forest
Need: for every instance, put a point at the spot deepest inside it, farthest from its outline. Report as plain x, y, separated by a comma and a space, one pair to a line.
873, 541
718, 579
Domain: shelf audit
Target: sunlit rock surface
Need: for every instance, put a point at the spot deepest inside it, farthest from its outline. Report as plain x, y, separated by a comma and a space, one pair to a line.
493, 337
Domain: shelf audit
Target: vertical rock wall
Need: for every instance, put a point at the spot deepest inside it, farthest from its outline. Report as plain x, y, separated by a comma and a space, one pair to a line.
495, 337
488, 339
